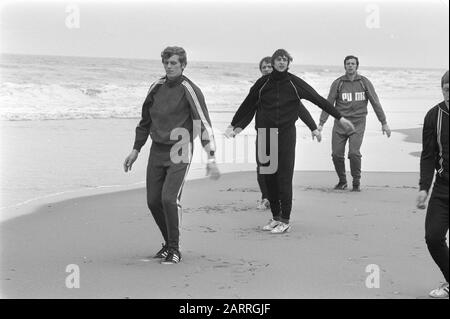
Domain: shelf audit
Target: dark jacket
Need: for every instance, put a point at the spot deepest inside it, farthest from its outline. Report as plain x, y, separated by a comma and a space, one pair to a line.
199, 113
434, 155
276, 100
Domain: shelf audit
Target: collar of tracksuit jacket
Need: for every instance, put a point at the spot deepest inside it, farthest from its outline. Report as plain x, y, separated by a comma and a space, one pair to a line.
278, 76
174, 82
278, 109
346, 78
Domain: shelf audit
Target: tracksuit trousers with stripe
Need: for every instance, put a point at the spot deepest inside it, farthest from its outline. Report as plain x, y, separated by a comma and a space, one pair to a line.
279, 184
339, 140
436, 225
165, 180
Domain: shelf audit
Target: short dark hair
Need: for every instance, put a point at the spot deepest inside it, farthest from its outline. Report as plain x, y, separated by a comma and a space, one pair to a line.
444, 79
169, 51
266, 59
349, 57
282, 53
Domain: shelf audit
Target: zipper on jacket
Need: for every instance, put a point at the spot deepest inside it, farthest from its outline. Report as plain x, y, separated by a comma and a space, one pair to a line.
278, 105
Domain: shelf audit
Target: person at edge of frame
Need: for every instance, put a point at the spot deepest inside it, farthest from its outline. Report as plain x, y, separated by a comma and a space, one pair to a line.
434, 164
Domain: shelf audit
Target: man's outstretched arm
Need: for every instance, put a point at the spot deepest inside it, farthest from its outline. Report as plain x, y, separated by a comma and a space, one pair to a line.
376, 105
247, 109
332, 97
307, 92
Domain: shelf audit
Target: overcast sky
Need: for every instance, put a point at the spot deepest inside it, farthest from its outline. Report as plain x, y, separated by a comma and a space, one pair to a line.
382, 33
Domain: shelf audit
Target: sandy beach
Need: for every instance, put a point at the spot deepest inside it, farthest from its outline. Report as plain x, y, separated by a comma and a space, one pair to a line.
335, 236
90, 214
74, 84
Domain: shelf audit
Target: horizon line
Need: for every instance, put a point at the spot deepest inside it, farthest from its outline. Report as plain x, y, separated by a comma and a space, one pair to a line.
212, 61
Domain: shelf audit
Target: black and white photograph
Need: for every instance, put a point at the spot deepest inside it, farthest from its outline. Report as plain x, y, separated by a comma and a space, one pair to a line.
246, 151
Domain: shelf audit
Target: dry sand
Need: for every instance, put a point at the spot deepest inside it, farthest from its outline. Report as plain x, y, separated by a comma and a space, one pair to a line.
335, 236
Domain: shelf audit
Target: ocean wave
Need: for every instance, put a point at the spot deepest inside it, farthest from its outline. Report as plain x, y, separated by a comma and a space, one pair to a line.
91, 92
64, 88
232, 74
76, 115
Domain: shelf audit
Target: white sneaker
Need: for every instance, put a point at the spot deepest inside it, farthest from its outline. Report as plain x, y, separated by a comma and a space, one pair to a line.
281, 228
263, 204
441, 292
271, 225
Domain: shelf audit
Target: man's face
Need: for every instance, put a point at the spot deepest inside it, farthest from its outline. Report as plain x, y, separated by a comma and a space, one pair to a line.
351, 66
173, 67
281, 63
445, 92
266, 68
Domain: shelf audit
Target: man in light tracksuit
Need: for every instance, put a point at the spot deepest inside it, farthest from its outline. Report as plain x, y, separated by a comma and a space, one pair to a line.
350, 94
173, 113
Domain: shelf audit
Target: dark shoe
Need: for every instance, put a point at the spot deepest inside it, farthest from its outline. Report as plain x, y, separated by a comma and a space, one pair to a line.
341, 186
356, 188
173, 257
164, 251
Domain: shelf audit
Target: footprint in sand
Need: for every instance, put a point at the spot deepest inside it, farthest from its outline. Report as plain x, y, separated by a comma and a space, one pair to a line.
207, 229
239, 268
241, 190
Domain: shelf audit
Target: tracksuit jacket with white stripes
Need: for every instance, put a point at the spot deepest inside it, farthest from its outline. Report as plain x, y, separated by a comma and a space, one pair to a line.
171, 105
435, 147
160, 127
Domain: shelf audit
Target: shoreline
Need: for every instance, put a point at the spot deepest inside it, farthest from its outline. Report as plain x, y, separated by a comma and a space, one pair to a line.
33, 205
75, 165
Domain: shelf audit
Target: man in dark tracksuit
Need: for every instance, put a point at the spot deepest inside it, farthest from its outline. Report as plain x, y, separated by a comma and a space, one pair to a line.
173, 113
435, 158
275, 98
265, 66
351, 93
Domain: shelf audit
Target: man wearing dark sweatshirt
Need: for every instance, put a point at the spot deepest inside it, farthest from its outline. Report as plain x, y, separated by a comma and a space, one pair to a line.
173, 113
434, 163
275, 99
351, 93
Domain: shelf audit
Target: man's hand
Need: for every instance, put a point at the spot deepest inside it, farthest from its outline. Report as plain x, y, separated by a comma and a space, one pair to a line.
320, 128
232, 132
229, 132
386, 130
316, 134
212, 171
128, 163
349, 127
421, 199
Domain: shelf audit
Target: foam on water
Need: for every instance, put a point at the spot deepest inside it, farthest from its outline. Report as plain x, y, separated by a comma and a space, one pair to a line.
47, 87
